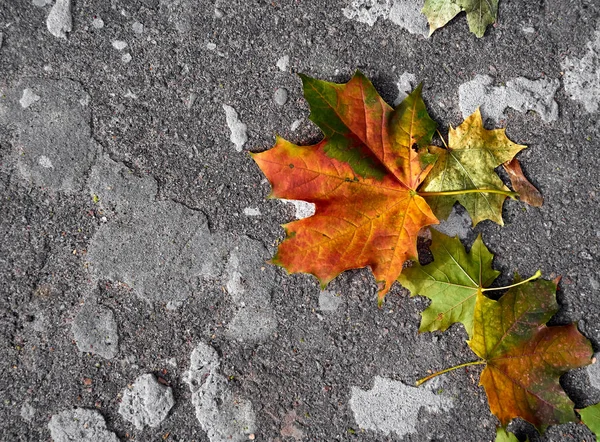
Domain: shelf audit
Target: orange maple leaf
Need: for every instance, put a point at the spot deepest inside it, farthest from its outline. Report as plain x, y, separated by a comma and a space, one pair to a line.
362, 178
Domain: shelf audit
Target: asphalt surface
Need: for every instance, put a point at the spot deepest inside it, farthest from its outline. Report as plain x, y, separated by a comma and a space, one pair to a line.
135, 229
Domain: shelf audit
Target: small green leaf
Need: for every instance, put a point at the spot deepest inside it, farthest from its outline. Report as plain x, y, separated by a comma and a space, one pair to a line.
591, 417
451, 281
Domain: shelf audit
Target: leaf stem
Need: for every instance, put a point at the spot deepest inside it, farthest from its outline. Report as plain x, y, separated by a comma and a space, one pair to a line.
531, 278
443, 141
509, 194
433, 375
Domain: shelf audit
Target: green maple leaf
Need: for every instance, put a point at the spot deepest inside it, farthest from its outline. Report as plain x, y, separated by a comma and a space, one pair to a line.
591, 418
480, 13
524, 358
452, 282
504, 436
468, 163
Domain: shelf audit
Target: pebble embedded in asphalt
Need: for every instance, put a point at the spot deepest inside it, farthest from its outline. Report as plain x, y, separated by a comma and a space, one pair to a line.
280, 96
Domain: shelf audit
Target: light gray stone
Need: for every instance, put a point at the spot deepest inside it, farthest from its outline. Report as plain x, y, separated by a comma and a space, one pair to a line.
329, 301
238, 129
280, 96
27, 412
98, 23
393, 407
59, 21
223, 415
147, 403
137, 27
582, 76
519, 93
119, 45
41, 3
28, 98
95, 331
80, 425
52, 146
283, 63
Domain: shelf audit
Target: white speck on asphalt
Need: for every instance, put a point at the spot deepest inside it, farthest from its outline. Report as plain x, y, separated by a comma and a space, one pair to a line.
211, 46
280, 96
219, 13
27, 412
44, 161
283, 63
98, 23
147, 403
119, 45
251, 211
238, 129
137, 27
131, 95
59, 21
296, 124
126, 58
393, 407
28, 98
582, 76
519, 93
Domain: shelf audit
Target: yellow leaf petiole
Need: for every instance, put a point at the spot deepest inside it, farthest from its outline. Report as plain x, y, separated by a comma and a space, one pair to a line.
433, 375
512, 195
531, 278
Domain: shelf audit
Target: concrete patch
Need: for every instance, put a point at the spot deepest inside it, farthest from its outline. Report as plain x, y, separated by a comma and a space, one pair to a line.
238, 129
458, 223
329, 301
404, 13
59, 21
27, 412
582, 76
157, 248
304, 209
52, 144
407, 14
519, 93
222, 415
393, 407
250, 282
95, 330
406, 83
80, 425
367, 11
593, 372
147, 403
179, 13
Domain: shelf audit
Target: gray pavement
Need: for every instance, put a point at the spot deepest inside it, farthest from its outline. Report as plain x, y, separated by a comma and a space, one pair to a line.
135, 298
